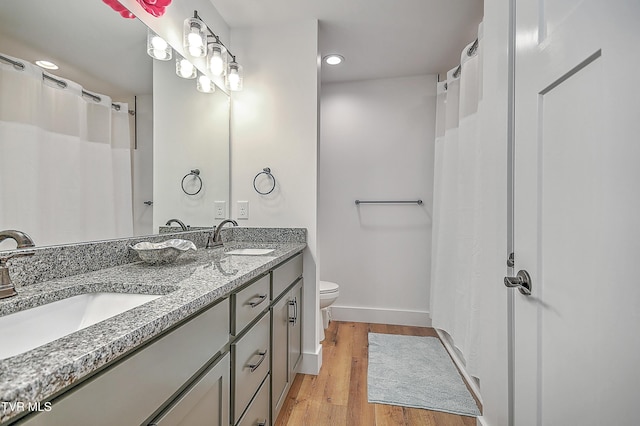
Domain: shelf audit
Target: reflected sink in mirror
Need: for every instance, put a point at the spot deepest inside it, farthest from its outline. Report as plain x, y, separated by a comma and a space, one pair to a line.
250, 251
30, 328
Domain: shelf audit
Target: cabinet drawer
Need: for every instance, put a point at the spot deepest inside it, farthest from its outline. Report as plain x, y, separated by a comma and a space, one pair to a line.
205, 403
251, 364
134, 388
285, 274
249, 303
258, 412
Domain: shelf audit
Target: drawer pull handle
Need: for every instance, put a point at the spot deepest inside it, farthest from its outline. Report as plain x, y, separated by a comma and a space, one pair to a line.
261, 298
263, 423
254, 367
293, 320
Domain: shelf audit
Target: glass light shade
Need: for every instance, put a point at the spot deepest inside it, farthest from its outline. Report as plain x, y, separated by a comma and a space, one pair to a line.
204, 84
157, 48
195, 37
184, 68
234, 78
217, 59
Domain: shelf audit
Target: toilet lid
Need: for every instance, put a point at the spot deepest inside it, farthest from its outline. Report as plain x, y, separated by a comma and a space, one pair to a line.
328, 287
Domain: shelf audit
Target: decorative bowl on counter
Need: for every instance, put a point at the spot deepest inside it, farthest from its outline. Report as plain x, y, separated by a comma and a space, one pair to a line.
164, 252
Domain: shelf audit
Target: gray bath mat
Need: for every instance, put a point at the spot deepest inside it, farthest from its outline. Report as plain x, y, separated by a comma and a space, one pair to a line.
416, 372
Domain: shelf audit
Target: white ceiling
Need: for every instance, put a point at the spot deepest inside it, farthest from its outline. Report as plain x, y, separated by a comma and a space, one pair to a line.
378, 38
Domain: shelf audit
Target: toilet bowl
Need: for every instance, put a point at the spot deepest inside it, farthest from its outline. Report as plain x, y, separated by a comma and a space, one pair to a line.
329, 292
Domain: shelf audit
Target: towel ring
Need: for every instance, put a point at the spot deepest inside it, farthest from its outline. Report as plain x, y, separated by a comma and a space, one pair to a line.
196, 173
265, 171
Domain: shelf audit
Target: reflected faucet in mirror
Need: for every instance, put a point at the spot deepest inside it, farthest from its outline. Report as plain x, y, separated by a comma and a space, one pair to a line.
179, 222
214, 239
23, 241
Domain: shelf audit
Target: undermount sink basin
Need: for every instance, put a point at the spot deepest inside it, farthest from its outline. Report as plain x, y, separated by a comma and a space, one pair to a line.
30, 328
251, 251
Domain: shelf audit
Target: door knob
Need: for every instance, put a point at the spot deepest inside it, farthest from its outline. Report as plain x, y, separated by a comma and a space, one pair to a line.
522, 282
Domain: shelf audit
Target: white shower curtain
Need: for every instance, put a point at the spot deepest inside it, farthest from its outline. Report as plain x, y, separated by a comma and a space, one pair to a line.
65, 160
457, 206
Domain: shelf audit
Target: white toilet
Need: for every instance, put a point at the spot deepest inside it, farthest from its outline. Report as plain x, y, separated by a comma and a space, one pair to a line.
329, 292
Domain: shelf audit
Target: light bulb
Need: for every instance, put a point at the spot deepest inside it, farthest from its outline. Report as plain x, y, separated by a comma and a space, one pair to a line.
185, 69
158, 43
160, 54
205, 85
216, 64
234, 78
333, 59
195, 45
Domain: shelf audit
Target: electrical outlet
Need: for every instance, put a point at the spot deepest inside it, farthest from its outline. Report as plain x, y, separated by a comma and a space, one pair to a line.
220, 209
243, 210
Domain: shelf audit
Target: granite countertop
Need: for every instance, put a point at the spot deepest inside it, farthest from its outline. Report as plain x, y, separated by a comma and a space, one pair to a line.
196, 280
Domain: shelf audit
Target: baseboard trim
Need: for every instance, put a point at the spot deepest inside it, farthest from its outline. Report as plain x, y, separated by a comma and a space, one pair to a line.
460, 364
311, 362
381, 316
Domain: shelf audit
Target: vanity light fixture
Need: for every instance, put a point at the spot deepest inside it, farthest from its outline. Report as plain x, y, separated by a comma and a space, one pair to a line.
218, 61
333, 59
204, 84
195, 37
234, 78
157, 47
184, 68
47, 65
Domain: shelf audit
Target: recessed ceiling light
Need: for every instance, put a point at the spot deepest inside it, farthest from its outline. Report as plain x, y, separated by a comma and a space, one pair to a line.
333, 59
47, 65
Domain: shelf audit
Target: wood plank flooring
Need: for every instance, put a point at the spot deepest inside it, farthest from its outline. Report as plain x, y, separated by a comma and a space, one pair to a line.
338, 395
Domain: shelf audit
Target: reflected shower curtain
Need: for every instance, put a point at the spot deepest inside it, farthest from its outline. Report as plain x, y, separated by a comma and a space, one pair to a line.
457, 206
65, 160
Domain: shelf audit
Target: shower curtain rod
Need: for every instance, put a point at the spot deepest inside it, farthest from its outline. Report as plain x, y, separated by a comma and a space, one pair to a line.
470, 52
62, 84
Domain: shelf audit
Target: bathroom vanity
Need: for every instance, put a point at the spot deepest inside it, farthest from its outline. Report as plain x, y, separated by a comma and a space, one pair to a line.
221, 346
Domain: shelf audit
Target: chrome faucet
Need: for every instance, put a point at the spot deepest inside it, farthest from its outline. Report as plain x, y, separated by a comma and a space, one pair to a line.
7, 289
214, 237
179, 222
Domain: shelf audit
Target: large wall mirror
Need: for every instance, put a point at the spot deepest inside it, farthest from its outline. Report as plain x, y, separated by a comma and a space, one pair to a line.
74, 169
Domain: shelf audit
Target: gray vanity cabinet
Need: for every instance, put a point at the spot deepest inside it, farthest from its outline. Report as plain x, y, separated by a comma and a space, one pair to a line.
286, 331
205, 403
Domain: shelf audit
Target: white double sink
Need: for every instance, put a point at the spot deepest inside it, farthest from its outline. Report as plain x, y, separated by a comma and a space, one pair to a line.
30, 328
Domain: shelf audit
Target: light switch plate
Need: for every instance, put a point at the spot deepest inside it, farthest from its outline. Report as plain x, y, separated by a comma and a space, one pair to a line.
220, 209
243, 210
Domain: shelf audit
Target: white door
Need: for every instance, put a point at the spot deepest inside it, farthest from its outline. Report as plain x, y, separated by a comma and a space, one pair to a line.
577, 212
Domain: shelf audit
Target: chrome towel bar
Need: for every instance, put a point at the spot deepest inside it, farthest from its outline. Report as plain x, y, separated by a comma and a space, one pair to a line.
418, 202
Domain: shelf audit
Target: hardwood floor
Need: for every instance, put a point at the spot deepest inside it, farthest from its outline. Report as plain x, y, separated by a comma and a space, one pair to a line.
338, 395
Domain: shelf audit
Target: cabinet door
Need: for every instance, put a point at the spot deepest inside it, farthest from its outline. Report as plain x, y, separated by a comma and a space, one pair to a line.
206, 403
295, 329
279, 352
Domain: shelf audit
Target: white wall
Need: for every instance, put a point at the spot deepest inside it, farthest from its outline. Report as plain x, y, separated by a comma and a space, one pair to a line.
275, 124
190, 131
377, 144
